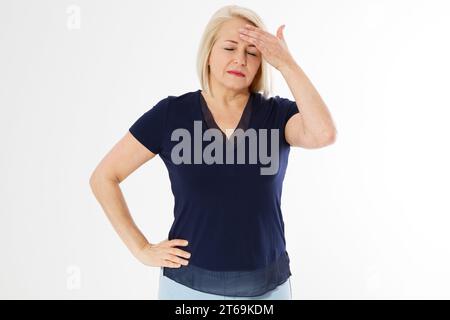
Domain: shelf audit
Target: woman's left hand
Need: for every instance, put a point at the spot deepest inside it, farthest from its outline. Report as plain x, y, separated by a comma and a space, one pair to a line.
273, 48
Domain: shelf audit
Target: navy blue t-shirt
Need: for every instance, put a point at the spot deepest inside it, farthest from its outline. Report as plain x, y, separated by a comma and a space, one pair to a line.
229, 212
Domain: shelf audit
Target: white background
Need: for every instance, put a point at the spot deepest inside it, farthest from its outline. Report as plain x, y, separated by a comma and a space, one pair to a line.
366, 218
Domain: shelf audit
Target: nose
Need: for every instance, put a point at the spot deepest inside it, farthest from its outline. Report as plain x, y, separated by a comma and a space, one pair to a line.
241, 58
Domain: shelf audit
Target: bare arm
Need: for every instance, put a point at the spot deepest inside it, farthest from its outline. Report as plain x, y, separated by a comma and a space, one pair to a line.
314, 126
123, 159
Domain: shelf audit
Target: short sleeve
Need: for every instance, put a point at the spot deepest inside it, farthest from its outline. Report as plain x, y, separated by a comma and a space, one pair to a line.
149, 128
288, 108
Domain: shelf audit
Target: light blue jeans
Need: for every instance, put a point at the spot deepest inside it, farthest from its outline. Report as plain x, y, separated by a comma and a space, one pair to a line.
172, 290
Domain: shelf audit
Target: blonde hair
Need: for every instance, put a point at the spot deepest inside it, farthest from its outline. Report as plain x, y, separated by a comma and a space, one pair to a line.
263, 78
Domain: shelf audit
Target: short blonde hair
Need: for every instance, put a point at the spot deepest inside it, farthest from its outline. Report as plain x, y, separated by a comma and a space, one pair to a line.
263, 78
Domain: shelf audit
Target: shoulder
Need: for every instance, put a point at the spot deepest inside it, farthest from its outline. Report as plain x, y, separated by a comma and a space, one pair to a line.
181, 100
183, 97
276, 103
164, 104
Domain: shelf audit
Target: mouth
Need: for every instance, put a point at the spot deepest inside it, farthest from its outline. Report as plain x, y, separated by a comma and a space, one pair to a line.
236, 73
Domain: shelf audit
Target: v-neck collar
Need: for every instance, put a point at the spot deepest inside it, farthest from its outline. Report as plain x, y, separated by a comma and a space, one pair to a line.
243, 123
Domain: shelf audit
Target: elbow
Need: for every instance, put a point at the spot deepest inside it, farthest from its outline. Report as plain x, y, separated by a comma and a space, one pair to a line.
93, 180
98, 177
331, 137
327, 138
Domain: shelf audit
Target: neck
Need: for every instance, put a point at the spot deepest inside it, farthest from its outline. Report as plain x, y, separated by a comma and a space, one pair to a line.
227, 97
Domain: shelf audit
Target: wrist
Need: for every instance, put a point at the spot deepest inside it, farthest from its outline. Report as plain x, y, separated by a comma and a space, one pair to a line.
288, 66
138, 252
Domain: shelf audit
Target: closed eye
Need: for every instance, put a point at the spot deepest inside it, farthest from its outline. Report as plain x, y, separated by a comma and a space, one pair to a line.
229, 49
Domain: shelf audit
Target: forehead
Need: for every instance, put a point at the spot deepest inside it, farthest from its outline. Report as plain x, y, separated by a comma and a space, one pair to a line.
229, 32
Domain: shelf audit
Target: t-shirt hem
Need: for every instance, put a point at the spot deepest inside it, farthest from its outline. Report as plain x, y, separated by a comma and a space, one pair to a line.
235, 284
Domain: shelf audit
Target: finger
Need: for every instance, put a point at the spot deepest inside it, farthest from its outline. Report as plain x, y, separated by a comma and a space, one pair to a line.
263, 33
280, 32
177, 259
253, 34
180, 253
178, 242
259, 45
260, 41
171, 264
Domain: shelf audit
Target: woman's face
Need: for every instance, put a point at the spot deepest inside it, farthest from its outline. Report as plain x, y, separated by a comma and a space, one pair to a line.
230, 52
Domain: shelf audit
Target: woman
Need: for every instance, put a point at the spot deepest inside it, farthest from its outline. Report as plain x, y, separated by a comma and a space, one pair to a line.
227, 240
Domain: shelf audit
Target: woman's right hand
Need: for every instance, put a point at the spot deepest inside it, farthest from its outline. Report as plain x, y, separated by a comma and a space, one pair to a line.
164, 254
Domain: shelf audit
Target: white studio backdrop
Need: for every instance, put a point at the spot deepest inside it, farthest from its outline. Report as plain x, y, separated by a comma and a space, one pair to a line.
366, 217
